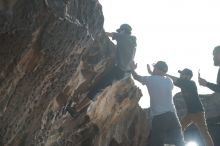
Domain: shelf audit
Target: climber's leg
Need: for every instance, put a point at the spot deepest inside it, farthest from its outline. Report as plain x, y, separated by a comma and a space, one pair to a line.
114, 74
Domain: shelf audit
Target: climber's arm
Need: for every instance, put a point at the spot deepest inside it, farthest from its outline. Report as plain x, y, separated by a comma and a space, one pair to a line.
137, 77
172, 77
109, 34
141, 79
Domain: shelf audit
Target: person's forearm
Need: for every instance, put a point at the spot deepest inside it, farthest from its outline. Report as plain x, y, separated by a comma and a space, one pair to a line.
109, 34
172, 77
213, 87
137, 77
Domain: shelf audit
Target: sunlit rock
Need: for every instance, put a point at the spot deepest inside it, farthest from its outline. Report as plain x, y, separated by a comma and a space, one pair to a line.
118, 116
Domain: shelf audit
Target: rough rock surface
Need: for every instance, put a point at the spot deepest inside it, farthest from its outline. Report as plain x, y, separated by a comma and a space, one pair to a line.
121, 122
52, 52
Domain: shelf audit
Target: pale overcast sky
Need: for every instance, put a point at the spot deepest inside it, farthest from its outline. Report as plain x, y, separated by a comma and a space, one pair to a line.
181, 32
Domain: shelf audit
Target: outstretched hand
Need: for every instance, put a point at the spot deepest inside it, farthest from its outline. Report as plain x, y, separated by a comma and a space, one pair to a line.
149, 69
133, 65
201, 81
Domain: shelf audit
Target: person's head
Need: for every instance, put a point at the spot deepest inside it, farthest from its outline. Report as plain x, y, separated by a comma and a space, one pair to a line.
186, 74
216, 56
125, 28
160, 68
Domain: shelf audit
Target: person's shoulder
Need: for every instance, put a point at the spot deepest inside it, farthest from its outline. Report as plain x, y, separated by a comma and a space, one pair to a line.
133, 37
189, 83
168, 79
192, 82
184, 81
159, 77
150, 77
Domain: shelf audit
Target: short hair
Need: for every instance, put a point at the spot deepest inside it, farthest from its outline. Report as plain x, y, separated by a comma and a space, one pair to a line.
161, 65
216, 50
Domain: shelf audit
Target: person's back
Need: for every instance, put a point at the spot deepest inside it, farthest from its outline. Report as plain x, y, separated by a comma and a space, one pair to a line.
125, 50
165, 123
160, 91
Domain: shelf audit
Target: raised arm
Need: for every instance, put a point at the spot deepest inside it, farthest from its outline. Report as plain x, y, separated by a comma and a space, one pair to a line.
211, 86
137, 77
202, 81
172, 77
149, 69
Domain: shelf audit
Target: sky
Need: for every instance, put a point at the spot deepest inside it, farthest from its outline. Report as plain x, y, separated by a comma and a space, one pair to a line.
181, 32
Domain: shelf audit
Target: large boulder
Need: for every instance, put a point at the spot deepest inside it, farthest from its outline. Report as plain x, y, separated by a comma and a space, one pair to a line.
52, 53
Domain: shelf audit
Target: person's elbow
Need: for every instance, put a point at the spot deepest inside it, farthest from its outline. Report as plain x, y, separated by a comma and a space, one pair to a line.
135, 77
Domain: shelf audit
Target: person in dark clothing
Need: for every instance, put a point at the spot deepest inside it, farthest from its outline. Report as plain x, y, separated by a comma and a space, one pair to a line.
195, 112
212, 86
126, 48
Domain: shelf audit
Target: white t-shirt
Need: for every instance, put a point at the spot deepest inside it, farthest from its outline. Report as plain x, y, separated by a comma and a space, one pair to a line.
160, 91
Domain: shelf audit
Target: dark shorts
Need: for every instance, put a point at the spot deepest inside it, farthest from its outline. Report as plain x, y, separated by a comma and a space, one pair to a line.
166, 129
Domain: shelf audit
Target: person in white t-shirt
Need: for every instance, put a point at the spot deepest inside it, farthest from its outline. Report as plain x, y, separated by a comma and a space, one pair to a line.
165, 123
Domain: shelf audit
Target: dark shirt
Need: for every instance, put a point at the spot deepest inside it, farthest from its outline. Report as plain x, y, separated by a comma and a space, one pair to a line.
190, 95
126, 48
215, 87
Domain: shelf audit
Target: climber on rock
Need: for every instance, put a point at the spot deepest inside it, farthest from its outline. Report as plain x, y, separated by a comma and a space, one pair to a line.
126, 48
195, 112
165, 123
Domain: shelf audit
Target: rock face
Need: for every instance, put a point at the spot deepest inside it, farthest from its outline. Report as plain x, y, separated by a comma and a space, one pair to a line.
52, 52
121, 122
